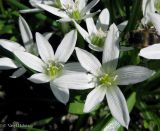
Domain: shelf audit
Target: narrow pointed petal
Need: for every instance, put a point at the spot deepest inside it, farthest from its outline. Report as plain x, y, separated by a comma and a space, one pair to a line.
62, 94
48, 35
26, 33
91, 27
66, 47
81, 4
91, 14
11, 46
122, 25
111, 47
148, 7
64, 20
133, 74
18, 73
155, 19
151, 52
30, 10
30, 60
83, 33
39, 78
94, 98
75, 66
44, 48
53, 10
118, 105
7, 63
88, 61
89, 6
103, 20
74, 80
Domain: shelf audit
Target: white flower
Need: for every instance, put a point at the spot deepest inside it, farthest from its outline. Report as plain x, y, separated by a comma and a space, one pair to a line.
70, 9
106, 77
52, 67
11, 46
96, 34
147, 7
151, 52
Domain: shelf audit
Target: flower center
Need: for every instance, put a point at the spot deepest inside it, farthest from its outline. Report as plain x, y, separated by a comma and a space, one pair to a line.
98, 39
76, 15
108, 80
53, 69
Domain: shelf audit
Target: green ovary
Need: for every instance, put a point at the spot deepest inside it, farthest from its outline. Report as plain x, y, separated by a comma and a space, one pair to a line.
53, 70
108, 80
76, 15
98, 40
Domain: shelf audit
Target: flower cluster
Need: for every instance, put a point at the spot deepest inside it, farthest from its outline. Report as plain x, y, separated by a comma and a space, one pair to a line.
49, 66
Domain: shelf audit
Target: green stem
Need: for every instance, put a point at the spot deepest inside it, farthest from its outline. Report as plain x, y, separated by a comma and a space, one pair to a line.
2, 8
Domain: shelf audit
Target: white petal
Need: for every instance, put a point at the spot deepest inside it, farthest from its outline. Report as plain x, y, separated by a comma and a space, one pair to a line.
103, 20
94, 98
74, 80
147, 7
53, 10
84, 33
88, 61
111, 47
133, 74
122, 25
64, 20
7, 63
89, 6
91, 14
91, 27
30, 60
118, 105
48, 35
26, 33
151, 52
155, 19
75, 66
39, 78
113, 125
18, 73
82, 4
11, 46
62, 94
44, 48
30, 10
66, 47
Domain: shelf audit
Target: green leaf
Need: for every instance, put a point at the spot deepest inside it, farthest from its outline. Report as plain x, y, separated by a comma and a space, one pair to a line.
76, 108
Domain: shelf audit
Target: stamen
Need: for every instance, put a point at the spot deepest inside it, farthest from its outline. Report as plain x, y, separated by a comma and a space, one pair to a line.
53, 69
108, 80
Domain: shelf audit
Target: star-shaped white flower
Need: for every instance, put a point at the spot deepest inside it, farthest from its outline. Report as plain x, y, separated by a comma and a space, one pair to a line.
97, 33
106, 77
52, 68
70, 9
11, 46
